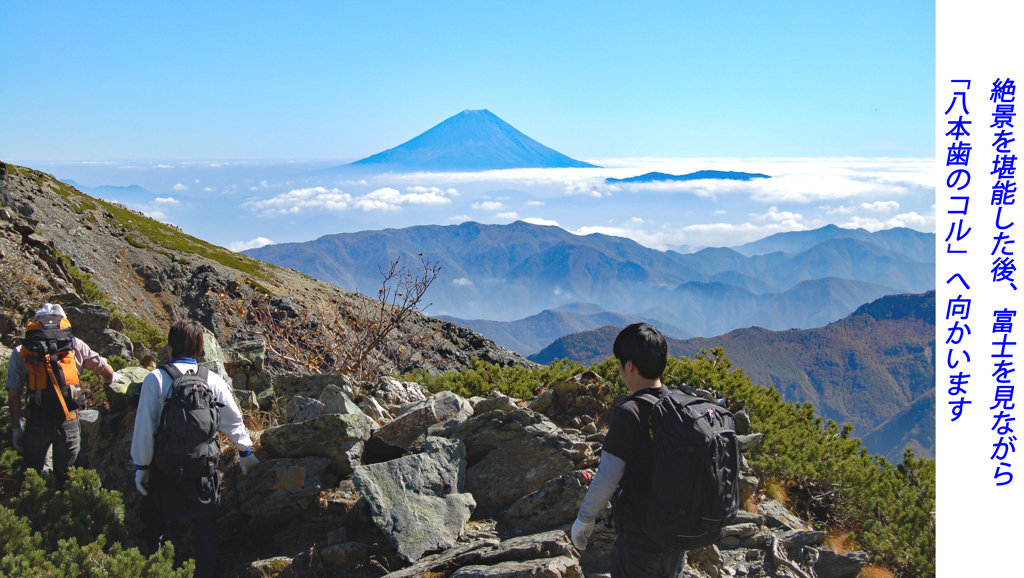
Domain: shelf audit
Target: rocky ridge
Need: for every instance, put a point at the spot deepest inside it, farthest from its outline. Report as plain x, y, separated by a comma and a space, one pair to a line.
397, 482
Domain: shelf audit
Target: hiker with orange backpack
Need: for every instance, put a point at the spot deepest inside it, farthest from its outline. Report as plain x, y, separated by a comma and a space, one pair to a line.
45, 369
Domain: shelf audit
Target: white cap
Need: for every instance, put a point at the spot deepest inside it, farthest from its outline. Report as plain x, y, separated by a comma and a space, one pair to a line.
50, 309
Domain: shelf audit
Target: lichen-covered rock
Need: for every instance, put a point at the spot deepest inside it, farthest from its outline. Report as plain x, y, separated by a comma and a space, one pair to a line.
268, 568
502, 403
280, 489
554, 505
394, 393
418, 500
500, 445
430, 416
338, 437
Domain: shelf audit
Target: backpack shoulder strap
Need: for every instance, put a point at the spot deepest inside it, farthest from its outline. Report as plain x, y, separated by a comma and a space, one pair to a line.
204, 374
172, 371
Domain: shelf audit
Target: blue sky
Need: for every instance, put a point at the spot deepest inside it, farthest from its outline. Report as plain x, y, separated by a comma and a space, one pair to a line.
119, 80
218, 110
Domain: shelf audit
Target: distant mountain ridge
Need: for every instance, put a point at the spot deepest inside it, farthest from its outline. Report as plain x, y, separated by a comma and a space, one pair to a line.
473, 140
530, 335
511, 272
874, 368
659, 177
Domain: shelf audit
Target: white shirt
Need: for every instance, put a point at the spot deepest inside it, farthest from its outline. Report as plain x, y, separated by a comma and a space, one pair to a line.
156, 388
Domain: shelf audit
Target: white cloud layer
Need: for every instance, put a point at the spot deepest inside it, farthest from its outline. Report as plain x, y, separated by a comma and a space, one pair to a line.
253, 244
512, 215
180, 187
542, 222
488, 206
384, 199
166, 200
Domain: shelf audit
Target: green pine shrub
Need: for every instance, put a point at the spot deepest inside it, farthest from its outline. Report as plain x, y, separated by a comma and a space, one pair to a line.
82, 531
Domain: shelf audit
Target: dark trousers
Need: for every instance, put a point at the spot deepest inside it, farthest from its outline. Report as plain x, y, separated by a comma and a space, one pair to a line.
66, 439
632, 563
203, 527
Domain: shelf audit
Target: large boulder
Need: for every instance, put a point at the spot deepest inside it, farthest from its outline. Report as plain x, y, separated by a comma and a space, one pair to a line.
332, 400
281, 489
554, 505
511, 455
418, 500
338, 437
490, 553
425, 418
91, 324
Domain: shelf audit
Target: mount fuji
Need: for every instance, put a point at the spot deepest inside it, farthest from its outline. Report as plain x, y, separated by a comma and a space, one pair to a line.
473, 140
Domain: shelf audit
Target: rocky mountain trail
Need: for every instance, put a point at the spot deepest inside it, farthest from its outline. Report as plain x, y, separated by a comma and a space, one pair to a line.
444, 487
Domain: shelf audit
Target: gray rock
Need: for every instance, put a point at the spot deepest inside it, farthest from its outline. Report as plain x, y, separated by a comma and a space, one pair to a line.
745, 517
544, 545
306, 385
213, 356
154, 286
335, 401
337, 536
502, 403
801, 538
560, 567
776, 515
375, 410
437, 562
90, 421
301, 408
337, 437
268, 568
281, 489
260, 382
748, 485
833, 565
417, 500
430, 416
344, 555
393, 393
740, 530
250, 354
246, 399
749, 442
555, 504
499, 445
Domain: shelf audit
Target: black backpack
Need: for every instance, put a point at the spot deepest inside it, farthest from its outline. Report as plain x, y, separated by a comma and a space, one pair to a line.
186, 440
695, 464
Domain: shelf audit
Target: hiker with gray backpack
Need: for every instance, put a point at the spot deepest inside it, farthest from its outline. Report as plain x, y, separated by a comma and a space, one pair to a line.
182, 406
669, 460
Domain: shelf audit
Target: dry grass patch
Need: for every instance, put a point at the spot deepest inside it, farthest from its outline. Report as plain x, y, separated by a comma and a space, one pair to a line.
750, 505
875, 571
779, 492
841, 542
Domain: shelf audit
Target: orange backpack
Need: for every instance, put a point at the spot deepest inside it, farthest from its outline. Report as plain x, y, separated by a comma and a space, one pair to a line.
48, 351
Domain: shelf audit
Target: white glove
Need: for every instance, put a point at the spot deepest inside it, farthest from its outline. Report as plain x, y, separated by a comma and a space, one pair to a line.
16, 439
247, 462
118, 378
141, 481
580, 532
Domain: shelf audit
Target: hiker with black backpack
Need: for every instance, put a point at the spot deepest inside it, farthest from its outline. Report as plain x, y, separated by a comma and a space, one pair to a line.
669, 459
44, 370
175, 448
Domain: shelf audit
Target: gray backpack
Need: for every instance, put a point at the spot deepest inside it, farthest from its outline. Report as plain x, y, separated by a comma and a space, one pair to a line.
186, 440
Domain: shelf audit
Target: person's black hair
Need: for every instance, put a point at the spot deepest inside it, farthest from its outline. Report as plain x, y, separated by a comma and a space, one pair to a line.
186, 339
645, 346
